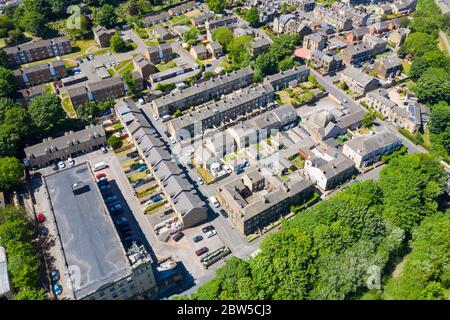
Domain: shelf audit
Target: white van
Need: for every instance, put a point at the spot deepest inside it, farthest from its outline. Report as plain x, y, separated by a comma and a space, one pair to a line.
214, 201
100, 166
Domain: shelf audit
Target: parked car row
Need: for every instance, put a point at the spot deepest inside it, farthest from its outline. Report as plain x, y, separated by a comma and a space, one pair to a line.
61, 164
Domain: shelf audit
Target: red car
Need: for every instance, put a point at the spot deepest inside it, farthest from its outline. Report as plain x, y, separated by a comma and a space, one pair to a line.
201, 251
100, 175
41, 217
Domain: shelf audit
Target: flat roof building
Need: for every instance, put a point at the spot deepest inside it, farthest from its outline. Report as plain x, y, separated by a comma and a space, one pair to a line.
91, 244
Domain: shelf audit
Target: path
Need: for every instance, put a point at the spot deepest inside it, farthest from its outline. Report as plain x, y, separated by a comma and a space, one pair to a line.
445, 40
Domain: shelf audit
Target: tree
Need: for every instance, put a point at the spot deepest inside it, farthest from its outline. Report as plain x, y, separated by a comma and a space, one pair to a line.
216, 6
418, 67
106, 16
404, 22
46, 112
115, 142
425, 274
368, 119
3, 59
5, 105
11, 173
191, 36
9, 140
19, 120
434, 86
266, 63
286, 63
418, 44
34, 23
88, 111
439, 118
5, 25
59, 7
223, 36
30, 294
117, 44
239, 49
7, 82
411, 186
252, 16
131, 82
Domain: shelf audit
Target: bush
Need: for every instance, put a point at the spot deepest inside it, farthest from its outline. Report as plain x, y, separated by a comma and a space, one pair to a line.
115, 142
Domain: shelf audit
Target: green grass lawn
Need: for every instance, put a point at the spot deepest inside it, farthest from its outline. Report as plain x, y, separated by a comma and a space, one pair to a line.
153, 208
406, 67
165, 66
122, 64
128, 163
298, 162
137, 176
147, 191
68, 107
127, 68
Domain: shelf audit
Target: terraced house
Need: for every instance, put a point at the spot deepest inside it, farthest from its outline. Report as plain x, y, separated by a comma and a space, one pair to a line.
97, 91
227, 109
39, 74
202, 92
39, 50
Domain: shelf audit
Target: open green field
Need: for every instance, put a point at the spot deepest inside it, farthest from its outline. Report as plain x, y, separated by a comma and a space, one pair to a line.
165, 66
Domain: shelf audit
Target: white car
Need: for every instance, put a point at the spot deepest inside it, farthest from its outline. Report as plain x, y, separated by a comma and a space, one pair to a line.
200, 180
155, 116
70, 162
172, 140
210, 233
214, 202
61, 164
227, 168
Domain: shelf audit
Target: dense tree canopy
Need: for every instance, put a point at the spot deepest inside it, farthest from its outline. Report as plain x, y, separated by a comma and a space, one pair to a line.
7, 82
252, 16
11, 172
46, 112
216, 6
106, 16
191, 36
434, 86
426, 270
223, 36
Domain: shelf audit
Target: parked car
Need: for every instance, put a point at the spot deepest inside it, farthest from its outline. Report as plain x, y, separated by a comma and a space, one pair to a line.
127, 233
116, 209
105, 187
61, 164
57, 289
134, 166
121, 220
137, 183
44, 232
55, 166
197, 238
100, 175
224, 213
214, 202
70, 162
211, 233
172, 140
125, 228
155, 116
227, 169
41, 217
142, 168
207, 228
200, 180
102, 181
111, 199
104, 150
133, 154
201, 251
129, 238
177, 236
55, 275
